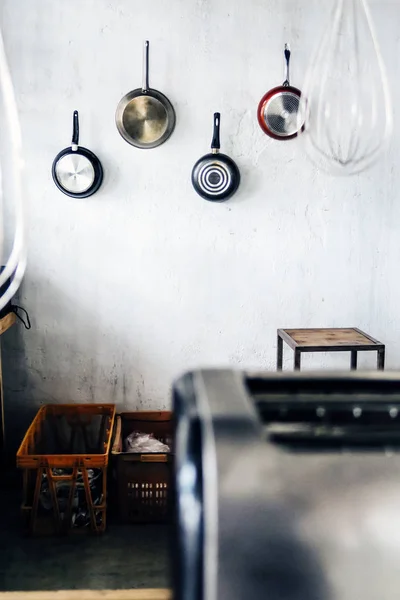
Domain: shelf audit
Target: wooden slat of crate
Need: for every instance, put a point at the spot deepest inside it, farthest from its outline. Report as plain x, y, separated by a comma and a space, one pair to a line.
6, 322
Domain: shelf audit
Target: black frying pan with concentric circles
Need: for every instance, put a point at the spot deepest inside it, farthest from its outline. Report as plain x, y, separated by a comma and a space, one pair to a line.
215, 176
278, 109
145, 118
76, 171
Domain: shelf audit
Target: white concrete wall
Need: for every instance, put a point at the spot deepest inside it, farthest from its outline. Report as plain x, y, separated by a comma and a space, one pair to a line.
144, 280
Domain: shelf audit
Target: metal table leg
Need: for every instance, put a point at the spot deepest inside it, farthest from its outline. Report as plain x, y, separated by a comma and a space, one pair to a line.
381, 359
297, 359
279, 353
353, 360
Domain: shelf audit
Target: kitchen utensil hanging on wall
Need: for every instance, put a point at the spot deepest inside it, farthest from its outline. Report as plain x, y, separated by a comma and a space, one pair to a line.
277, 111
76, 171
145, 118
215, 176
346, 95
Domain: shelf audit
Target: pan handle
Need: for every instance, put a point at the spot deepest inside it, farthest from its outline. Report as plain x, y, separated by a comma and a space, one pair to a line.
215, 144
287, 59
75, 130
145, 82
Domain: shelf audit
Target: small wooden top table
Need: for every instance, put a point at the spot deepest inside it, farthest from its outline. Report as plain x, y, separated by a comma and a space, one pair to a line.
329, 340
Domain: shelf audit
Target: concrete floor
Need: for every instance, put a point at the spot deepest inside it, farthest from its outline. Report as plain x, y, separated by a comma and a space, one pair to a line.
123, 557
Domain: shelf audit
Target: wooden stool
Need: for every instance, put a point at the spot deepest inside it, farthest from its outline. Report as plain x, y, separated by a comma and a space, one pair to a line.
328, 340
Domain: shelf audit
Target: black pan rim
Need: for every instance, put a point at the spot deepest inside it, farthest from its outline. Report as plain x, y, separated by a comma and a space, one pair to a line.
230, 164
153, 93
97, 167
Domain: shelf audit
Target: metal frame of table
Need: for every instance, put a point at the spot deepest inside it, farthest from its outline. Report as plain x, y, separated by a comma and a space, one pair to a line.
370, 345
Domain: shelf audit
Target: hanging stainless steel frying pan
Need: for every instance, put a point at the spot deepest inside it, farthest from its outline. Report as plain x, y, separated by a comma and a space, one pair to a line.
145, 117
278, 109
215, 176
76, 171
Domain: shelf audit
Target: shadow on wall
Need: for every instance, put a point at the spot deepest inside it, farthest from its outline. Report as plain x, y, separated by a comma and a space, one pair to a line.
19, 408
68, 356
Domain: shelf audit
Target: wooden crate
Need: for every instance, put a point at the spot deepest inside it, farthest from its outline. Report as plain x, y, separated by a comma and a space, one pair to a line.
143, 480
63, 447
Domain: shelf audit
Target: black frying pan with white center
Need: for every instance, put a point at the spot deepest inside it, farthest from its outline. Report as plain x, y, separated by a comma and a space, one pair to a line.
76, 171
215, 176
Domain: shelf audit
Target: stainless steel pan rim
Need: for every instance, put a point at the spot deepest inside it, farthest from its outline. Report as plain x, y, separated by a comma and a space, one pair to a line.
145, 118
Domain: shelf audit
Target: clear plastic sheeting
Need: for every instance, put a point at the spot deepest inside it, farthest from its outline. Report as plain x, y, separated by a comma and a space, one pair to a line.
144, 442
346, 101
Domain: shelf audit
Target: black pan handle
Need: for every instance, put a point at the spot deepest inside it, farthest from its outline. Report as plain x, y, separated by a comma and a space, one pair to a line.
145, 81
287, 59
75, 129
215, 144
